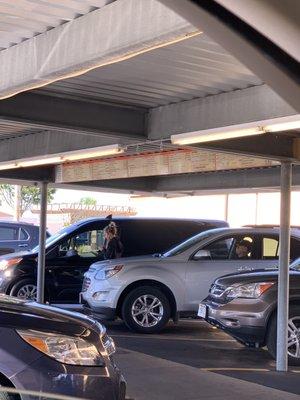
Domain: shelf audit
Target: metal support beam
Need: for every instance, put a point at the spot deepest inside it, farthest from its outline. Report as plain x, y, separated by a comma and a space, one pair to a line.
264, 57
284, 260
246, 180
232, 108
30, 174
42, 244
269, 146
47, 112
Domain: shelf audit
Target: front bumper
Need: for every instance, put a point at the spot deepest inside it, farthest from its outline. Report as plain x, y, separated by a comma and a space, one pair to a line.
238, 319
4, 283
98, 312
47, 375
99, 297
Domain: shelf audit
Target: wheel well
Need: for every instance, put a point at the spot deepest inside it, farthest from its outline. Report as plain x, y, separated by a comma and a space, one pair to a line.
274, 312
149, 282
4, 381
17, 280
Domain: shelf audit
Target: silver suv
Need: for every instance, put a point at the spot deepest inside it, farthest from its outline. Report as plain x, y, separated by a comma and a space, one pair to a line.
147, 291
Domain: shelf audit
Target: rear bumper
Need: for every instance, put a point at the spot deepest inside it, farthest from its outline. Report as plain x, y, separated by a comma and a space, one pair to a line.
246, 327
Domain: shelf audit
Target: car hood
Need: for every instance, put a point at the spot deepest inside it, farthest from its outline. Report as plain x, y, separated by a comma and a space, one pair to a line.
126, 260
19, 314
252, 276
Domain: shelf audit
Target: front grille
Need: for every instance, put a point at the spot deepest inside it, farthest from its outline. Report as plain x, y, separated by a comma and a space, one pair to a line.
86, 284
216, 290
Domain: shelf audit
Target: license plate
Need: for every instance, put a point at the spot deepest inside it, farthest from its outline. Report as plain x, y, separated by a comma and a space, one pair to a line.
202, 311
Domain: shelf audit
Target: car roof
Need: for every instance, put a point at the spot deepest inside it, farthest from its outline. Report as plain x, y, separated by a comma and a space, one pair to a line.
17, 223
253, 230
196, 220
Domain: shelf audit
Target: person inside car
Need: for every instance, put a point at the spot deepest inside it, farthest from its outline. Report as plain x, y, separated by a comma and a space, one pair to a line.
243, 249
113, 247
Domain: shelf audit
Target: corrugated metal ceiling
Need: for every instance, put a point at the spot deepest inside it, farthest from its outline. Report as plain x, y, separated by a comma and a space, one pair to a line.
195, 67
24, 19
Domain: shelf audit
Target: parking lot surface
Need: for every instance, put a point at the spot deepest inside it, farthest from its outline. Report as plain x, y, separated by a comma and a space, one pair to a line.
192, 360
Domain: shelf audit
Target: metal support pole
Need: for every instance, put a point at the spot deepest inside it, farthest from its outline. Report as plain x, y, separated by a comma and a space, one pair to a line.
42, 243
284, 260
226, 206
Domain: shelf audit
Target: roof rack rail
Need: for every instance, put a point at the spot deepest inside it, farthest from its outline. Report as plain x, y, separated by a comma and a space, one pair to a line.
268, 226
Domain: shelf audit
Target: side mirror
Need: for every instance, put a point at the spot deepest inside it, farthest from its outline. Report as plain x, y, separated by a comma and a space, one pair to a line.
202, 255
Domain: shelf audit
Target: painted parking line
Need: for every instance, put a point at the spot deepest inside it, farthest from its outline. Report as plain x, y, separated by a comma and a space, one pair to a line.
172, 338
235, 369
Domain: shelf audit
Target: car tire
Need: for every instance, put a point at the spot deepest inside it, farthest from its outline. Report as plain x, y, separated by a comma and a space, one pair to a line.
25, 289
294, 318
146, 310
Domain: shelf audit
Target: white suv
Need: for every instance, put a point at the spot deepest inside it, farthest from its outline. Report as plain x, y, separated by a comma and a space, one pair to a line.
147, 291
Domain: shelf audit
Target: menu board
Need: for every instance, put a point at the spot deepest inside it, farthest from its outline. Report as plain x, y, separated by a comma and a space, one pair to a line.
151, 164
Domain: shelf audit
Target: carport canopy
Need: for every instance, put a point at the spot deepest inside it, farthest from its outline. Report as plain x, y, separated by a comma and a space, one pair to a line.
85, 79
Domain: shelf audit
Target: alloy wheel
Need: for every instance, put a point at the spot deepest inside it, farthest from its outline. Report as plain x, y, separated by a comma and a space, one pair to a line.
27, 292
294, 337
147, 311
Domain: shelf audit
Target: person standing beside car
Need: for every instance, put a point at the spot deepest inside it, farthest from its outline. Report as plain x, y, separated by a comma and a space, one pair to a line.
113, 247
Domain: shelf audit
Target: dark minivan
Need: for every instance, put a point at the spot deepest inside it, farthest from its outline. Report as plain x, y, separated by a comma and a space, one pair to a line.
18, 236
70, 252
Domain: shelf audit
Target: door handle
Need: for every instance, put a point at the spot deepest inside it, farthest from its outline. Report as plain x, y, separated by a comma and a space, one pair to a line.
23, 245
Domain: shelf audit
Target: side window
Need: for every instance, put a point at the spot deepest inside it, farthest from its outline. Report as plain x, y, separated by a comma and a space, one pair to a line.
23, 235
295, 249
85, 244
8, 233
270, 248
220, 249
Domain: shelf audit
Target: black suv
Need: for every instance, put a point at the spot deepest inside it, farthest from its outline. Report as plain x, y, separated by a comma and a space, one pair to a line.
18, 236
245, 306
70, 252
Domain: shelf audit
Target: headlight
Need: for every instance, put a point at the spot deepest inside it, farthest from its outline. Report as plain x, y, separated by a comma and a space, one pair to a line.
108, 272
65, 349
4, 264
250, 290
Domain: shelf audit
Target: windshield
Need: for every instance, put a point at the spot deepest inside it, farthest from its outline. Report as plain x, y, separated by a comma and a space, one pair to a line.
190, 242
296, 265
54, 238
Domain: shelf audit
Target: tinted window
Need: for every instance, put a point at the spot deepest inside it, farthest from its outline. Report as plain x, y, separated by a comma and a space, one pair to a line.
23, 234
295, 249
190, 243
226, 248
220, 249
8, 233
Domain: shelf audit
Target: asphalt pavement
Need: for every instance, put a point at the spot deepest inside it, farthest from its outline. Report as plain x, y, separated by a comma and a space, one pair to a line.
191, 360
